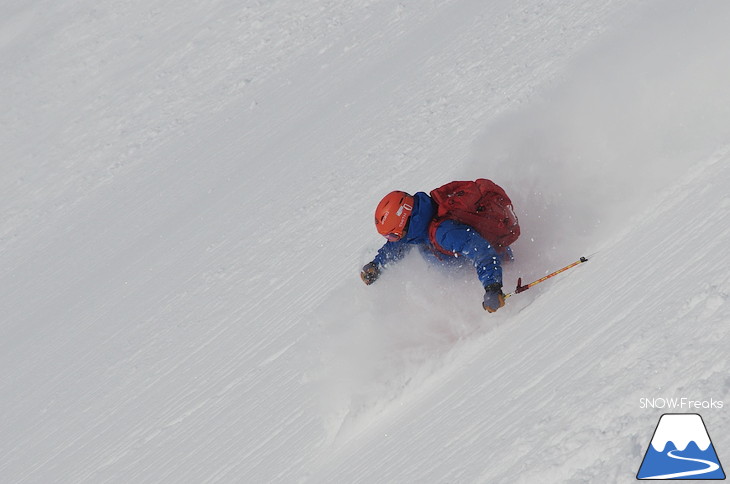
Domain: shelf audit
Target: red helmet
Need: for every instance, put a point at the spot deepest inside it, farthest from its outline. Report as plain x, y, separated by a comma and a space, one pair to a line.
392, 214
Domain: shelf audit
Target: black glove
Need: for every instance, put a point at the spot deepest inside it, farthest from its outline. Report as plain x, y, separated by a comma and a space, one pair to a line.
370, 273
493, 297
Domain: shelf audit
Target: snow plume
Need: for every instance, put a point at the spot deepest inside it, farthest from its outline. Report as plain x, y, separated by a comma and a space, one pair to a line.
377, 341
628, 118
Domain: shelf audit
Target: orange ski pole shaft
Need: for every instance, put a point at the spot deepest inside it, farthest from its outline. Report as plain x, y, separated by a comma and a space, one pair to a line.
520, 288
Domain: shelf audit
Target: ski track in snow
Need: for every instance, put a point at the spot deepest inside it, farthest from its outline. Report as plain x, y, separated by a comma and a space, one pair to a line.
187, 195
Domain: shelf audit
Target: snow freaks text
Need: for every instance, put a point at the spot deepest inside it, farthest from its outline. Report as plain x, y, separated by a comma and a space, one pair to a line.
681, 403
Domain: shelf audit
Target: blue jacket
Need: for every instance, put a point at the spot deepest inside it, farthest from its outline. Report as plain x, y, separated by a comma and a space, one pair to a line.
453, 236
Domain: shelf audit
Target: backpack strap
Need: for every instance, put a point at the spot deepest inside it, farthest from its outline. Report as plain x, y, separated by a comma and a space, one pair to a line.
432, 228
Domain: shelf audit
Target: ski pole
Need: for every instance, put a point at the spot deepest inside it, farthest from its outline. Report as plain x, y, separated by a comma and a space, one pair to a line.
520, 288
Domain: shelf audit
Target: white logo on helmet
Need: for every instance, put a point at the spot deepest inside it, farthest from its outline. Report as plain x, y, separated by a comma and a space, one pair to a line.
405, 206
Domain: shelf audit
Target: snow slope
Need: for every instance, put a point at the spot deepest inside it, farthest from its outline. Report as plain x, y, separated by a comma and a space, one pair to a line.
187, 198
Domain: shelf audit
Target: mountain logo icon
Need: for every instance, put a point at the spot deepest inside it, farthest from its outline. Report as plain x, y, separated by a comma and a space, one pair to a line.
681, 449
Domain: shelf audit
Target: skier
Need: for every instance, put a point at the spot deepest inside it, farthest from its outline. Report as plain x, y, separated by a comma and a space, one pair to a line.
439, 231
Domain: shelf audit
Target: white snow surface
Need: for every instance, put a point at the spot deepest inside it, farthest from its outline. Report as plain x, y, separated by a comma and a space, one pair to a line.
187, 192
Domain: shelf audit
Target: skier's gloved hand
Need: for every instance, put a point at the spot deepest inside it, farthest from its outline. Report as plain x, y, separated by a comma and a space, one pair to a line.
493, 297
370, 273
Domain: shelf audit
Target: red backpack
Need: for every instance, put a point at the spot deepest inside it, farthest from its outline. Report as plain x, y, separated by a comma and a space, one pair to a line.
481, 204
